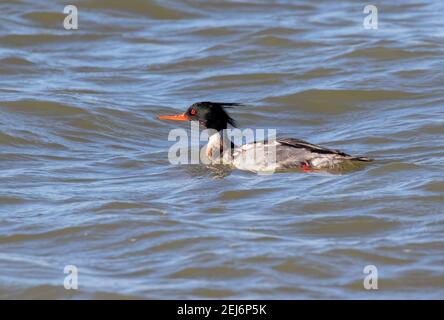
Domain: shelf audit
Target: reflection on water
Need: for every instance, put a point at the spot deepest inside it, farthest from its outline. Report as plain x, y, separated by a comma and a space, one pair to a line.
85, 177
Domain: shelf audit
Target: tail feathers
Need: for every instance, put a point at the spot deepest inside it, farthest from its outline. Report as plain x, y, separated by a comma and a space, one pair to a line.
363, 159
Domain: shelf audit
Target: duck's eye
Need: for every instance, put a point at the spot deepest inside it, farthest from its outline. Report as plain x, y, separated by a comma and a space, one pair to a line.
193, 112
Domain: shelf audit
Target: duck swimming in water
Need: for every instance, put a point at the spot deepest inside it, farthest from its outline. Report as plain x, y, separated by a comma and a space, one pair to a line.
276, 154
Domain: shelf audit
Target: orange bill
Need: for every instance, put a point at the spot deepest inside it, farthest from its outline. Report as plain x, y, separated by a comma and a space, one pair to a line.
176, 117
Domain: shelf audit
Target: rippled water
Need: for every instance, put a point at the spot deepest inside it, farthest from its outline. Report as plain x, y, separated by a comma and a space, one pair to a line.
85, 179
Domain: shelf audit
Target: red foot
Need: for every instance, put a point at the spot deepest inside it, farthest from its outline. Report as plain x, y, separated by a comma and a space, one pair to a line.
306, 167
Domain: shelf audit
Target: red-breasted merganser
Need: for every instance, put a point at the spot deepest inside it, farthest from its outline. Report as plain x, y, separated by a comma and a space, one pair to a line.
278, 154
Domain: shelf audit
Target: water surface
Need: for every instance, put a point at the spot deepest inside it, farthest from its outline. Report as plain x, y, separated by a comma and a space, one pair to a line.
85, 178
